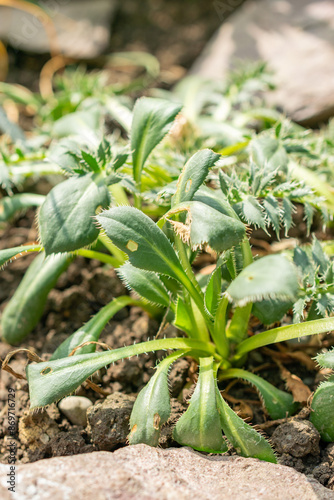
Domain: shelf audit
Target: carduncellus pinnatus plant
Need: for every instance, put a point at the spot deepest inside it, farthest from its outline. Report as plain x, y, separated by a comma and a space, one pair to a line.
154, 258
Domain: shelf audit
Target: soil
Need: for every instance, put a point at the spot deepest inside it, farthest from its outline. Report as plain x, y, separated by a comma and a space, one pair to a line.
82, 291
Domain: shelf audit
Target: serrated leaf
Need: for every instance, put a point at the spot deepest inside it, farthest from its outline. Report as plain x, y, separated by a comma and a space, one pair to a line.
271, 277
278, 404
298, 309
193, 175
152, 120
25, 308
326, 359
206, 226
288, 210
251, 212
214, 199
322, 407
319, 256
141, 239
309, 214
246, 441
10, 253
49, 381
272, 210
145, 283
66, 217
152, 407
91, 330
268, 152
199, 427
91, 161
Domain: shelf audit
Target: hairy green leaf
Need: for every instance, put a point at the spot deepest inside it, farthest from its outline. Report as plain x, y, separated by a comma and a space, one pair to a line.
326, 359
152, 120
152, 407
145, 283
272, 277
10, 253
199, 427
141, 239
66, 217
50, 381
193, 175
206, 226
246, 440
322, 407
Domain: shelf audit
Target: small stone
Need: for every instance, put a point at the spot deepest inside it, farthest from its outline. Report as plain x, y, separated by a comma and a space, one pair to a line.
298, 438
108, 421
75, 409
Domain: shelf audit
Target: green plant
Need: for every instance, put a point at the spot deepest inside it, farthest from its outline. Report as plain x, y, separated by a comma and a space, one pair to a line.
155, 261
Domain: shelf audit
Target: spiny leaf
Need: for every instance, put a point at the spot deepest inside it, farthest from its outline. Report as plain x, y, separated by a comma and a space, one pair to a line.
278, 403
322, 407
145, 283
199, 427
246, 441
326, 359
272, 210
152, 120
251, 212
25, 308
152, 407
206, 226
141, 239
272, 277
288, 210
10, 253
65, 218
193, 175
269, 152
52, 380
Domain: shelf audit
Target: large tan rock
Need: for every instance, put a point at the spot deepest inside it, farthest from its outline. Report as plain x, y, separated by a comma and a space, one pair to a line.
143, 473
295, 37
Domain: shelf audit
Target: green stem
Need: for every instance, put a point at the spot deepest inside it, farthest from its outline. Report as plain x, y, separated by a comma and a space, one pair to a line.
284, 333
102, 257
117, 253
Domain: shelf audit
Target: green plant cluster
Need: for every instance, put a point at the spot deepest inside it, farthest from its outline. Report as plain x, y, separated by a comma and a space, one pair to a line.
184, 171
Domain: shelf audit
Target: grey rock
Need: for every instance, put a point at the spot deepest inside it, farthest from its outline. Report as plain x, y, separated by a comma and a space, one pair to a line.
81, 27
108, 421
146, 473
294, 37
75, 409
298, 438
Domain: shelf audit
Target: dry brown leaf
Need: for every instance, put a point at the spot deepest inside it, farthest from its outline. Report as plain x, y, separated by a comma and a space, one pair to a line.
301, 393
